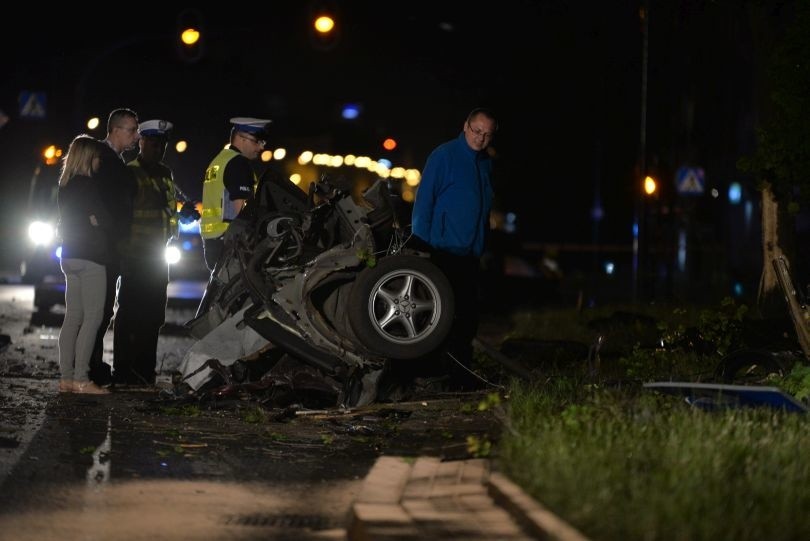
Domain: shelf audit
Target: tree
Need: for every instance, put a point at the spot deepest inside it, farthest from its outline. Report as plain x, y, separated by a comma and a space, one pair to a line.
781, 160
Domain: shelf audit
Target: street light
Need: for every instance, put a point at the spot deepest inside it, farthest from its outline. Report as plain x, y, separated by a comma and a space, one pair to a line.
324, 24
324, 32
190, 36
644, 15
189, 32
51, 154
649, 185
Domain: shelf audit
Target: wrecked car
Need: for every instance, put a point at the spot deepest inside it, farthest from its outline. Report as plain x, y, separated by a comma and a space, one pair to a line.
335, 283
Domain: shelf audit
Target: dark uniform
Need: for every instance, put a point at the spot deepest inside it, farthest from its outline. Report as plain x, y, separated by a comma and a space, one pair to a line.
141, 301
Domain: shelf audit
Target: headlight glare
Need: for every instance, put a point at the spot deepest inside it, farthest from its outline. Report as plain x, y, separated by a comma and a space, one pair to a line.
172, 255
40, 233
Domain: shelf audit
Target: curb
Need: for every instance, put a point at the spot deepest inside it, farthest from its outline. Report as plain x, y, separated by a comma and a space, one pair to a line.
423, 498
533, 517
376, 513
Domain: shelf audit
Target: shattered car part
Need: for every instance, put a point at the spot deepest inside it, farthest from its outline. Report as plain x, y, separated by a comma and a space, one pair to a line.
330, 281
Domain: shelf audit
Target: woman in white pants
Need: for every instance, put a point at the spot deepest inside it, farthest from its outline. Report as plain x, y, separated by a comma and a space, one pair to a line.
83, 224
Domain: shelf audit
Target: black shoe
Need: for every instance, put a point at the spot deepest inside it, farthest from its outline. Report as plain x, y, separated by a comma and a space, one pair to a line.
100, 374
132, 379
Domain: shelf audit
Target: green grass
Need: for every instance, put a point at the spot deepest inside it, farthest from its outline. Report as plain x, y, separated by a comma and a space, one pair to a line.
651, 467
620, 462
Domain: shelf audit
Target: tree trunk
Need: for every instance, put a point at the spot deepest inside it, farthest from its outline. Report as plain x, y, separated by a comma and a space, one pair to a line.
768, 299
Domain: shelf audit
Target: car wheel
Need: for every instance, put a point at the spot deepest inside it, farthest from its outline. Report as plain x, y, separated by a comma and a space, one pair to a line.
401, 308
749, 367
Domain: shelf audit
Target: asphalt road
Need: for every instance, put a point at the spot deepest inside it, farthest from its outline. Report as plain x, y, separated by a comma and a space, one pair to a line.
139, 465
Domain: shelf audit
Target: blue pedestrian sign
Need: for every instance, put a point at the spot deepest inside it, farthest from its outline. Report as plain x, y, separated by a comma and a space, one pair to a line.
690, 181
32, 104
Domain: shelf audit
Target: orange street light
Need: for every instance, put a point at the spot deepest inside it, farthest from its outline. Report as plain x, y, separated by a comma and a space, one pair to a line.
190, 36
649, 185
324, 24
51, 154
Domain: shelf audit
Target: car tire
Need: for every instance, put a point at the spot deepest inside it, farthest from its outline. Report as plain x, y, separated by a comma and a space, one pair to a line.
749, 367
389, 326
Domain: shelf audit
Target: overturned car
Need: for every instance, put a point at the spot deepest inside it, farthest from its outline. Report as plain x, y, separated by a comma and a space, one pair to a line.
337, 285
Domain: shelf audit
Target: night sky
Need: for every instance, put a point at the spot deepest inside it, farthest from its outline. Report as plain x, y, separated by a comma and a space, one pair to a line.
564, 78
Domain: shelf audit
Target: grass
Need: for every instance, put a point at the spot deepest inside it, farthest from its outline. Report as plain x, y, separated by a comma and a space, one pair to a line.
621, 462
651, 467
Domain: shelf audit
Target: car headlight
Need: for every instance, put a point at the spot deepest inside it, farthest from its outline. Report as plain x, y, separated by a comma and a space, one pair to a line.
172, 254
40, 233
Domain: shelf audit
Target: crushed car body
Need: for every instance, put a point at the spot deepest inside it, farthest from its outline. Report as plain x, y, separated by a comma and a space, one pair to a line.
334, 283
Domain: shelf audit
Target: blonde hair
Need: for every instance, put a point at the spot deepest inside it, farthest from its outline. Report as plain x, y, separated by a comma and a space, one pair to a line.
79, 158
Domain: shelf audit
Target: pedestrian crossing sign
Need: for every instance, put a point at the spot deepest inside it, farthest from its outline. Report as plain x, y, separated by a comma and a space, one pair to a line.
32, 104
690, 181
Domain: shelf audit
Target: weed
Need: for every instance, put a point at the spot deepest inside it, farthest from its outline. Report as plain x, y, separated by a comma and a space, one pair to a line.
186, 410
254, 415
796, 382
479, 447
467, 407
490, 401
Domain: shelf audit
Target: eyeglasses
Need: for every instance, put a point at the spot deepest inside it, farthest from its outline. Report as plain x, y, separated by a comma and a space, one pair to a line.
480, 133
260, 142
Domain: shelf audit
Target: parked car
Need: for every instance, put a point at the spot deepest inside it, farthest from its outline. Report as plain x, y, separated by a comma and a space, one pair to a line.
40, 263
184, 253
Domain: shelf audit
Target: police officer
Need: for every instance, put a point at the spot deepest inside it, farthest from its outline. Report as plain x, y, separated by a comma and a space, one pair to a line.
141, 300
230, 182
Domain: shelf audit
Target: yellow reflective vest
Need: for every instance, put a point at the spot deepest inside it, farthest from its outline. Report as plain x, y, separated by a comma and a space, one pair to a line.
213, 221
154, 216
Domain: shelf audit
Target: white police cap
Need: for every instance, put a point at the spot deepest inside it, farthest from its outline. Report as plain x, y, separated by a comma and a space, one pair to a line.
250, 125
155, 127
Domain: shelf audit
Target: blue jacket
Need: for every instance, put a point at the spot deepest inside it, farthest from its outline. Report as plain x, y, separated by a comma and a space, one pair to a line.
451, 211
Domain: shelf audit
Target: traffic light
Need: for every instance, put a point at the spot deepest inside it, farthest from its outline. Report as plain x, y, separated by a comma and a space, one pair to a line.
190, 42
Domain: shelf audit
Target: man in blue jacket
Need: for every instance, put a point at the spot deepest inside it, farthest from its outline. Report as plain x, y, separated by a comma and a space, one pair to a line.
451, 214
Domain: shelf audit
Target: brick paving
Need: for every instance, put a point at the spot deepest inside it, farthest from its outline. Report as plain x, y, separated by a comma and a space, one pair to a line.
424, 498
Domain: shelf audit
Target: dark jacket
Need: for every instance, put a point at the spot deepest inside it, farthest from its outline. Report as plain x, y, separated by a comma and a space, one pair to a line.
117, 189
77, 201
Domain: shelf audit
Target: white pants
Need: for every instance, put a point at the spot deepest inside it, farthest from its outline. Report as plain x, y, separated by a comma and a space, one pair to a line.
85, 292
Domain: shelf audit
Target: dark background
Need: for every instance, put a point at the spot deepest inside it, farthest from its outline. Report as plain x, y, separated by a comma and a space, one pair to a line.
564, 77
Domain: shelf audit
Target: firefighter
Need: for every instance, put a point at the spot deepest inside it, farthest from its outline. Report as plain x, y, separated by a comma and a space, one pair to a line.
230, 183
141, 297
